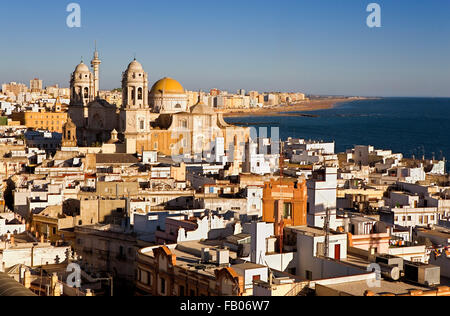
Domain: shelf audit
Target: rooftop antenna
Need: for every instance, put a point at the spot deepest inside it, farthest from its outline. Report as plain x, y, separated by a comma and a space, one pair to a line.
281, 224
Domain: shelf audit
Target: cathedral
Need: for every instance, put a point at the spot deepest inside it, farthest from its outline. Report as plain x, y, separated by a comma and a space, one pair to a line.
157, 119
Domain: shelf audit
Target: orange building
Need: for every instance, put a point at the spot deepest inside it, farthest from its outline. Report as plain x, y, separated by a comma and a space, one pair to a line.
50, 121
285, 203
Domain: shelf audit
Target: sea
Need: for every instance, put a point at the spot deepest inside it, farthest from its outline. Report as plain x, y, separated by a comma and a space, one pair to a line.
415, 127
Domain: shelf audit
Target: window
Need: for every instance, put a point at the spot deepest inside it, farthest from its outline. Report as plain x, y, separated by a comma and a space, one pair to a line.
144, 278
409, 218
192, 293
140, 94
142, 125
163, 286
288, 210
256, 278
309, 275
181, 291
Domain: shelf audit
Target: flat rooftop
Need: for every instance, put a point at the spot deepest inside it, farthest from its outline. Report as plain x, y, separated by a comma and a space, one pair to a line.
188, 255
311, 231
358, 288
248, 266
436, 233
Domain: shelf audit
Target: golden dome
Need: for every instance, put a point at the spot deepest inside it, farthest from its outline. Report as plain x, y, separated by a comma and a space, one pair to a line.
167, 86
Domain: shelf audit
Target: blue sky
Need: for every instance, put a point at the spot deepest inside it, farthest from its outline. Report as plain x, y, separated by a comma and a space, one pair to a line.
315, 46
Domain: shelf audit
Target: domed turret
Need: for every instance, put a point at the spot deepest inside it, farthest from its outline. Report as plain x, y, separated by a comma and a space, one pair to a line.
135, 66
135, 86
82, 67
81, 85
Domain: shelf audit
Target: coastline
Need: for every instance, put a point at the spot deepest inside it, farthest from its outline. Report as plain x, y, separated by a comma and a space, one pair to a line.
292, 110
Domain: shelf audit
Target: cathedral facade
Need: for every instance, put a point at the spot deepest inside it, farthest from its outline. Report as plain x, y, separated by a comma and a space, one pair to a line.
158, 119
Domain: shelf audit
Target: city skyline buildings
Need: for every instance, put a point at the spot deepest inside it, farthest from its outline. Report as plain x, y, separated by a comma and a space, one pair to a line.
321, 48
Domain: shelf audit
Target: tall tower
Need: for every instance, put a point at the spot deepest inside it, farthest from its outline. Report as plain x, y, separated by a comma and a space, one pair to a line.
81, 86
135, 115
135, 87
95, 64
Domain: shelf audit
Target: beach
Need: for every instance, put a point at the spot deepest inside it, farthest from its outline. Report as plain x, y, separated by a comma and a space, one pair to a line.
290, 110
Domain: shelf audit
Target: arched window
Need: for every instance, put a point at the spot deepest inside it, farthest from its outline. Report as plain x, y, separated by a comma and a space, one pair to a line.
86, 93
133, 94
140, 94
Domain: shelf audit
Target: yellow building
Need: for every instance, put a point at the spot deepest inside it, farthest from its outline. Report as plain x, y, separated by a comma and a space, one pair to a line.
53, 224
51, 121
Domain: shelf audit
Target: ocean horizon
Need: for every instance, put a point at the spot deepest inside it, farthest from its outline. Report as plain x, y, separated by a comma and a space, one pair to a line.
412, 126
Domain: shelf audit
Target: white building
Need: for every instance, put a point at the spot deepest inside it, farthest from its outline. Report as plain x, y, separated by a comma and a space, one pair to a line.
411, 175
322, 192
311, 252
410, 217
11, 224
254, 200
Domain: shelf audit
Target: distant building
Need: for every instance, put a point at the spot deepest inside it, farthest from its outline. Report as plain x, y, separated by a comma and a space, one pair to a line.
14, 88
36, 85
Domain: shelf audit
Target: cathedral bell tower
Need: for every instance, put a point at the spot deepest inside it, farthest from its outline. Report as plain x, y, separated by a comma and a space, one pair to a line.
81, 85
135, 87
135, 113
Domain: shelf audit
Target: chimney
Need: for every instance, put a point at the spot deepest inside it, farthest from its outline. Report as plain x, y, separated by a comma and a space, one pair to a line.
27, 279
205, 255
223, 256
56, 288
